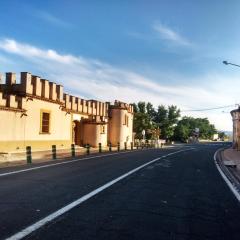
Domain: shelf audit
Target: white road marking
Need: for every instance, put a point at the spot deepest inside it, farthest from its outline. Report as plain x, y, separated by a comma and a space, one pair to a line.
230, 185
61, 163
28, 230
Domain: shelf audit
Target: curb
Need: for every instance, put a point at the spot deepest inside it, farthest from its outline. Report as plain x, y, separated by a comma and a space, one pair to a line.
68, 161
227, 176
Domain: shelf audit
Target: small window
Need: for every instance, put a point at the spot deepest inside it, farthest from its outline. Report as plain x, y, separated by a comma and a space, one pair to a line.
45, 122
102, 129
126, 120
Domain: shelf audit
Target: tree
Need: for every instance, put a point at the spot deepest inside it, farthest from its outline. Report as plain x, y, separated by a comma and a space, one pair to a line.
166, 119
187, 125
143, 119
222, 135
141, 107
147, 118
150, 111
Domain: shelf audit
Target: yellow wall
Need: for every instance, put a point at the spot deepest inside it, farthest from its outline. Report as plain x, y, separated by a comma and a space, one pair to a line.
236, 129
21, 105
20, 129
118, 130
93, 135
20, 146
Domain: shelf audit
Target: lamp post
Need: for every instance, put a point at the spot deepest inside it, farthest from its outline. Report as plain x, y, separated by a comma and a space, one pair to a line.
228, 63
236, 125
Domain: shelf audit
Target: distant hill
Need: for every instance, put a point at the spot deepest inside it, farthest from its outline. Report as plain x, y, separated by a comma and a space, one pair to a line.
229, 133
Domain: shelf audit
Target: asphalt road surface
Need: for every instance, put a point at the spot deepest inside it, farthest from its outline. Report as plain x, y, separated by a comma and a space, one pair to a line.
179, 196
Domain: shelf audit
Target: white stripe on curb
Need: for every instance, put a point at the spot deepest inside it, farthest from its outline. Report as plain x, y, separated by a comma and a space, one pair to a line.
28, 230
230, 185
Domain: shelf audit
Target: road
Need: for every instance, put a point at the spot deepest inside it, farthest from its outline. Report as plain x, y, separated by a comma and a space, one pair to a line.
180, 195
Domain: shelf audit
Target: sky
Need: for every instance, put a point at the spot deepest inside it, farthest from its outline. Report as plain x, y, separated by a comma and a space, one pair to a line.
165, 52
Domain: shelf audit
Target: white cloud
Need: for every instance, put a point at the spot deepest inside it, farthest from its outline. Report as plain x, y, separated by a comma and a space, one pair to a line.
50, 18
168, 34
92, 78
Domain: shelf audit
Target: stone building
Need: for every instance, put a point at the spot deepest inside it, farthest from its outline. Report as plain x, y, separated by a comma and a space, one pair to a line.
37, 113
236, 128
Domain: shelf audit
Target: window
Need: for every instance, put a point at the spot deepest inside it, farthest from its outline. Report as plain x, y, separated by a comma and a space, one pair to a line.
45, 122
102, 129
126, 120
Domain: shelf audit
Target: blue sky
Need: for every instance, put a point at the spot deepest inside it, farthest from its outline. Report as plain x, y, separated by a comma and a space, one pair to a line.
166, 52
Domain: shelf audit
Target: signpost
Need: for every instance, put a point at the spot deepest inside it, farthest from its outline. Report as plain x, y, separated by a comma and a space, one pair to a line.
143, 134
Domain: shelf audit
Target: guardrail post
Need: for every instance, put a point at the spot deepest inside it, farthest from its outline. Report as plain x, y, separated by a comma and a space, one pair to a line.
73, 150
131, 145
54, 152
88, 149
118, 146
29, 154
125, 145
110, 147
100, 147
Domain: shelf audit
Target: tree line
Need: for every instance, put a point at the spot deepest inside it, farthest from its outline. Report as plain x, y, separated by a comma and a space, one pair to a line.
167, 122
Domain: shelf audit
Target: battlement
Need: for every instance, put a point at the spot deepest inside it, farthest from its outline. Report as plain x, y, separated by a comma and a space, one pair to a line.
90, 107
33, 86
12, 102
122, 105
15, 95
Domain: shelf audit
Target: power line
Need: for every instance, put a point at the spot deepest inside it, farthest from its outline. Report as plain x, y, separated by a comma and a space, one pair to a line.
209, 109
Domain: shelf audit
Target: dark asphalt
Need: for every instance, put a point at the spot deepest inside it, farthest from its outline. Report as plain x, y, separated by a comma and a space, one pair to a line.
179, 197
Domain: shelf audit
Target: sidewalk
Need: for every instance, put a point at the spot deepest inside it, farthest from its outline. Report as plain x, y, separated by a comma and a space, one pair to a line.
19, 158
232, 156
231, 159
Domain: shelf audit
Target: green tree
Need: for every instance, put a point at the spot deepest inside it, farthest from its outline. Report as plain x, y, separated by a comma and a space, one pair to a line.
187, 125
143, 119
166, 119
141, 107
222, 135
150, 111
147, 118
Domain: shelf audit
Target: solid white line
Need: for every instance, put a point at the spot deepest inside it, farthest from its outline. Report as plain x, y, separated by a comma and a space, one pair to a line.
23, 233
61, 163
230, 185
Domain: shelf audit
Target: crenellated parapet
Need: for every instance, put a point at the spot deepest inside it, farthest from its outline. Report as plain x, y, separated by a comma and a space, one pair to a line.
15, 94
82, 106
34, 86
122, 105
12, 102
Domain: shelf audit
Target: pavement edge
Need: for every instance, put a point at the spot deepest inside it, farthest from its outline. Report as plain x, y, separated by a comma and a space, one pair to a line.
227, 176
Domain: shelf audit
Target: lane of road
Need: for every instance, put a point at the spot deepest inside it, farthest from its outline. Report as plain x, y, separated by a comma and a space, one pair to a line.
180, 197
29, 196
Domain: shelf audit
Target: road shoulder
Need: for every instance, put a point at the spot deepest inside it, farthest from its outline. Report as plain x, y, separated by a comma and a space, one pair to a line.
229, 173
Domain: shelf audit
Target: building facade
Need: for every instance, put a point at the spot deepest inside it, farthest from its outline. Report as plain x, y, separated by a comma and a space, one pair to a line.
236, 128
37, 113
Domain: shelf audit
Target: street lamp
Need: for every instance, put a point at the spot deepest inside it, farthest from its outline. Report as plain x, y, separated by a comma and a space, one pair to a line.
237, 137
228, 63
